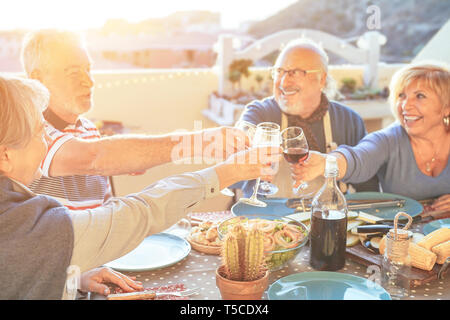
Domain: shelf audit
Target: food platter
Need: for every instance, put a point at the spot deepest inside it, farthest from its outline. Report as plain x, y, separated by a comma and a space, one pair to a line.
208, 249
204, 238
283, 236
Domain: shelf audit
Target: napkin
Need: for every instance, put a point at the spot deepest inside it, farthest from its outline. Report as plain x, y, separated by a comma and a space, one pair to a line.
213, 216
168, 288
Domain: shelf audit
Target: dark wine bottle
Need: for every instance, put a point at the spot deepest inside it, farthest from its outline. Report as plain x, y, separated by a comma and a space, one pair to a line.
328, 235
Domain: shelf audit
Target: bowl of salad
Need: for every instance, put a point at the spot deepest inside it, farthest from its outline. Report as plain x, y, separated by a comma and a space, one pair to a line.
283, 236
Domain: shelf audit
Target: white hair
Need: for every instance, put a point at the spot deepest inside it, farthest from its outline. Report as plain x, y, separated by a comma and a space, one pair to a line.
37, 46
307, 44
21, 104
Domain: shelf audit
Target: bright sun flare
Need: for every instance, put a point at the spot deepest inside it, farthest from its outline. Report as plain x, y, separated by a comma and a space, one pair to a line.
83, 14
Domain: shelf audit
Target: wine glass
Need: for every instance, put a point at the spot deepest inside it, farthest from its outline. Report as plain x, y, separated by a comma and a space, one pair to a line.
249, 129
264, 136
295, 149
266, 188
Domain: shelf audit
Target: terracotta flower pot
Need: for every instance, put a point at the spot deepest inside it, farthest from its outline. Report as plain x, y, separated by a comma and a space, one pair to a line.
241, 290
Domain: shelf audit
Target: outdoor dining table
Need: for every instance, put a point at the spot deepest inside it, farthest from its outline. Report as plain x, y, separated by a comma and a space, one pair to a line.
197, 270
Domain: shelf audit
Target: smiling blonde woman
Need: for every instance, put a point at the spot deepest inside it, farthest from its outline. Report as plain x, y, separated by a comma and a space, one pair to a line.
410, 157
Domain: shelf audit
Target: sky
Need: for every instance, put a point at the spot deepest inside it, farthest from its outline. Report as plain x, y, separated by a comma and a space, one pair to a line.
83, 14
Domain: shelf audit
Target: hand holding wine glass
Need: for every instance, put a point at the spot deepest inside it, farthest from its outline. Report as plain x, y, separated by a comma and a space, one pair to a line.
312, 168
295, 150
266, 188
267, 136
249, 129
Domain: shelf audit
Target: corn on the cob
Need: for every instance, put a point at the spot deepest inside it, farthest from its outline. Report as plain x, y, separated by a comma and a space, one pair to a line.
382, 245
434, 238
442, 251
421, 258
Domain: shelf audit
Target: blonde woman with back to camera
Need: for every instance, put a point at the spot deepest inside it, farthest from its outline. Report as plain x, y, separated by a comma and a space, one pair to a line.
40, 238
411, 156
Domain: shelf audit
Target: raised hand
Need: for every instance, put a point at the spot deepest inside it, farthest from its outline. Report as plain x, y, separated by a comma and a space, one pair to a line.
221, 142
308, 170
248, 165
442, 203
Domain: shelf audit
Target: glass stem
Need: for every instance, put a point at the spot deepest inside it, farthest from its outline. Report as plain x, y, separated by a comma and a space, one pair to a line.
255, 190
303, 204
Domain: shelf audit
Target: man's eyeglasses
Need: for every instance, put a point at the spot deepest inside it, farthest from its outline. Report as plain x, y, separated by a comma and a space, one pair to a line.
295, 73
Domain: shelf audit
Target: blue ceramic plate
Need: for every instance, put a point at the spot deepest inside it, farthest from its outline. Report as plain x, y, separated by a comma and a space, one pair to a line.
324, 285
436, 224
275, 206
155, 252
411, 207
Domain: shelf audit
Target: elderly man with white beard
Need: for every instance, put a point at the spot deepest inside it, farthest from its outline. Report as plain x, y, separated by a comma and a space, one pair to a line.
301, 81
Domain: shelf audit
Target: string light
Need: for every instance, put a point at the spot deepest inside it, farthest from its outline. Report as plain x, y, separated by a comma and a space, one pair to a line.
118, 83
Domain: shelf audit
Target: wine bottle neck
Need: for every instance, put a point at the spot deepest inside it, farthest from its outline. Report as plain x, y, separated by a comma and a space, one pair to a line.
330, 179
331, 173
329, 197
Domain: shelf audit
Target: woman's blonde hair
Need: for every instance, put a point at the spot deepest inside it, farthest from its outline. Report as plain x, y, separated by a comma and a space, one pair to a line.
433, 74
21, 104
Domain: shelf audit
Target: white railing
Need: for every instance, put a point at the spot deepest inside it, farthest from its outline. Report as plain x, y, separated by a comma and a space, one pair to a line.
367, 53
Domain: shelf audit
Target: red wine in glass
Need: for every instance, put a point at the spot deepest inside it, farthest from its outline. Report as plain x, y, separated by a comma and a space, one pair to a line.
295, 155
295, 149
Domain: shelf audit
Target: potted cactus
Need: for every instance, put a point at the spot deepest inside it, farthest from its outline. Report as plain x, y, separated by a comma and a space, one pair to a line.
243, 274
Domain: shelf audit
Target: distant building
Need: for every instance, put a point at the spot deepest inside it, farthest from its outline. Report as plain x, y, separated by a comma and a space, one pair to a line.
181, 40
177, 50
10, 45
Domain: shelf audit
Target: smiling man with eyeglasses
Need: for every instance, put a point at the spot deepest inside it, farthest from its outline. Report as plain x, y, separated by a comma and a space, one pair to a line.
301, 91
297, 74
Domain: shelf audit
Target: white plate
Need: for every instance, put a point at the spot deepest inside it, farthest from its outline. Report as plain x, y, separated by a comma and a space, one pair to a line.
155, 252
324, 285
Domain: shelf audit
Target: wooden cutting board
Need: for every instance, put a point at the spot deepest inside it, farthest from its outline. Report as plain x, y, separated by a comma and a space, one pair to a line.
416, 278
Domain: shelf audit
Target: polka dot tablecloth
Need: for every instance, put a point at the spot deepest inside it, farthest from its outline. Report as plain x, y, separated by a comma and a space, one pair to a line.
198, 270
